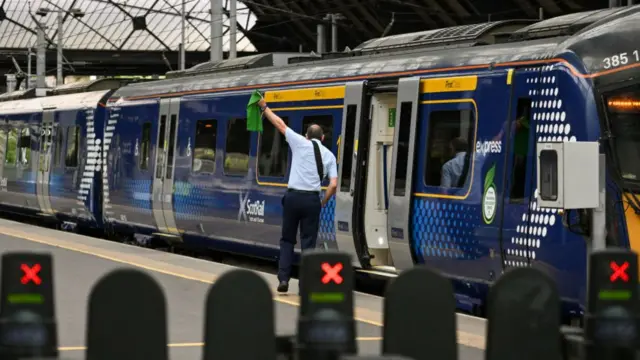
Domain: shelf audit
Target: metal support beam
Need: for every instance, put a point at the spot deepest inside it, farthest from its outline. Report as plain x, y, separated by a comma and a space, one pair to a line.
182, 34
59, 46
41, 60
320, 43
334, 33
233, 26
216, 30
28, 85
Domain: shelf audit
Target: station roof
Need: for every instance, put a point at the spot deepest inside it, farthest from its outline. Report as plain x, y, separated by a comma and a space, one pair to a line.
119, 25
293, 23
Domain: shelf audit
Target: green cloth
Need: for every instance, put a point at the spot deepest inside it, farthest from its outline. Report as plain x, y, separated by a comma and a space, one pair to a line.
254, 117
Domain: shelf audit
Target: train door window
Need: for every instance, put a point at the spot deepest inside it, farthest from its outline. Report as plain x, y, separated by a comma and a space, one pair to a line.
24, 145
520, 150
273, 151
145, 142
325, 122
73, 145
347, 161
236, 152
12, 147
204, 153
449, 148
402, 157
59, 146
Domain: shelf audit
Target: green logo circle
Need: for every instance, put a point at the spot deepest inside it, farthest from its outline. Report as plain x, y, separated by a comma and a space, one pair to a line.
489, 204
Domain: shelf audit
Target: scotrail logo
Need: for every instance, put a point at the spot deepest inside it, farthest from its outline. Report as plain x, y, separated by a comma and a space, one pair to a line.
251, 211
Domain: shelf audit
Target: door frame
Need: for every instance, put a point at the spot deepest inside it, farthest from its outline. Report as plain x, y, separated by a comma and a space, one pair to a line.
43, 169
163, 174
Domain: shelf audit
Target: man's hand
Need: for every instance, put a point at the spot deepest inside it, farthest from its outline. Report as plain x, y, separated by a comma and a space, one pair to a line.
262, 103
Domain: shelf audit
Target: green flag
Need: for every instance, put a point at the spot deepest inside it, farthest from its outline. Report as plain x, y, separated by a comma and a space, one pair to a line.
254, 118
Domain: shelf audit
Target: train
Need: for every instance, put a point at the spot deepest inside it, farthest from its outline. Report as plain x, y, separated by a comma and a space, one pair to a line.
171, 162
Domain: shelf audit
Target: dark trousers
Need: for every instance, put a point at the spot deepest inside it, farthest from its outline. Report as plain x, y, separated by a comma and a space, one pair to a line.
301, 208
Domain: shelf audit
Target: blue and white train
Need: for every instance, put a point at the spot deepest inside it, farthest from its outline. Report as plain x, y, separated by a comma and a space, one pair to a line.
172, 161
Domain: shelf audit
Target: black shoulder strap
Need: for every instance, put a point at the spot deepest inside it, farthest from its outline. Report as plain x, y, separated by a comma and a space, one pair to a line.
316, 152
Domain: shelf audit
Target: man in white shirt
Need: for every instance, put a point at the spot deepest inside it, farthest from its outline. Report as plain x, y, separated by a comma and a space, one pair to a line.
311, 161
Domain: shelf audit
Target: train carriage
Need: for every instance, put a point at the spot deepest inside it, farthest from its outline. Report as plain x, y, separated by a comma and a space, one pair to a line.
51, 164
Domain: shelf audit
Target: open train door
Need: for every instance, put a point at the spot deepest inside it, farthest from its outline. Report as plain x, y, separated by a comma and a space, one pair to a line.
346, 223
402, 173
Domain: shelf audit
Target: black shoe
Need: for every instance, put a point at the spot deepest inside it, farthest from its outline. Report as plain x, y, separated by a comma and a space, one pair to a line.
283, 287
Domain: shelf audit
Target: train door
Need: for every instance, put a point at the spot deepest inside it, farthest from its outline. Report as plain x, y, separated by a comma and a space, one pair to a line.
519, 228
404, 137
44, 162
164, 166
346, 224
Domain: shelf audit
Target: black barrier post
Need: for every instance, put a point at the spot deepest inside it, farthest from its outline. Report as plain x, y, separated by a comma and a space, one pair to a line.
28, 327
420, 316
127, 318
239, 322
611, 322
326, 327
523, 318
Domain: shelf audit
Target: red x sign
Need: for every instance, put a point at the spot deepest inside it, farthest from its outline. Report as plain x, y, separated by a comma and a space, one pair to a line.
31, 274
332, 273
619, 271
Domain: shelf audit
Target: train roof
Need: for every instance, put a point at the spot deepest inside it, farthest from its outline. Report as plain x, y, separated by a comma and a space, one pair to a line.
460, 47
345, 67
61, 102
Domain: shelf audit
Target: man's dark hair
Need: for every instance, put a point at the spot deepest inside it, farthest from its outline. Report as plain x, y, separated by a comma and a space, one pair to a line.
459, 144
314, 131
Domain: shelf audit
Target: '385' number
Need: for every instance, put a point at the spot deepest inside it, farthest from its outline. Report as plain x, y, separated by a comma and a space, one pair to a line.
620, 59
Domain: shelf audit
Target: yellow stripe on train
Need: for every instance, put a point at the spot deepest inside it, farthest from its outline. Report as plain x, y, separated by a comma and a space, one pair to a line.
449, 84
318, 93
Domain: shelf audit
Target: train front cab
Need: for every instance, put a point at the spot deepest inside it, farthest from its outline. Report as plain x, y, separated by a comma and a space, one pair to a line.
471, 229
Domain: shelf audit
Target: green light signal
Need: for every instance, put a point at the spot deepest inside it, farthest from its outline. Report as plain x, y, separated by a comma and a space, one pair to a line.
333, 297
25, 299
623, 295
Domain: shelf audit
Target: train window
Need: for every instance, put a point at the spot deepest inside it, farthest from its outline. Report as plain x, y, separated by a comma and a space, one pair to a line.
449, 148
25, 146
204, 153
59, 140
73, 146
172, 145
325, 122
12, 147
404, 130
273, 151
520, 150
236, 152
145, 142
349, 134
160, 147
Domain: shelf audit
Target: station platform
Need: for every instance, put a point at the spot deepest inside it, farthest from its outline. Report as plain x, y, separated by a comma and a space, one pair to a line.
80, 261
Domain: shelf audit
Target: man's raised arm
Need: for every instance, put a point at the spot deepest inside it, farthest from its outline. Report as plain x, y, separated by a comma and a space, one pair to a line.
272, 117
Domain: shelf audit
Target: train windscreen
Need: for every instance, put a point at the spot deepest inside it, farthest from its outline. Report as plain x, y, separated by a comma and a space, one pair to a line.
623, 108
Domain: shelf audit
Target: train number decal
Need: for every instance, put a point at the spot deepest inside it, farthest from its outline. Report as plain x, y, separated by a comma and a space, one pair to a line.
621, 59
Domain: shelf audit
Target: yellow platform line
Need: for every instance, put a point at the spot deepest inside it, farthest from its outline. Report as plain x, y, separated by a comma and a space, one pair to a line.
464, 338
195, 344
